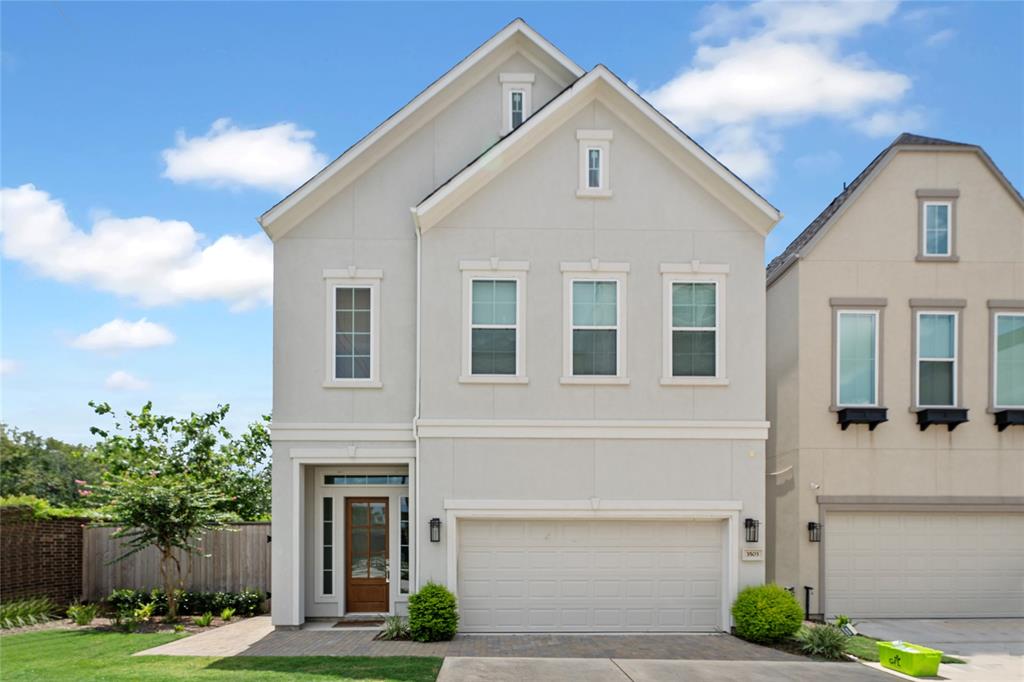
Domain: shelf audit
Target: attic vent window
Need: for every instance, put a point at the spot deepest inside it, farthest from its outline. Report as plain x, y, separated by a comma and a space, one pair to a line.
594, 175
516, 98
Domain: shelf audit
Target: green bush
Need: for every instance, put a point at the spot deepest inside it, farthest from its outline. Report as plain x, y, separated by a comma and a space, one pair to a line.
395, 627
16, 614
83, 614
766, 613
433, 614
227, 614
204, 620
823, 641
248, 602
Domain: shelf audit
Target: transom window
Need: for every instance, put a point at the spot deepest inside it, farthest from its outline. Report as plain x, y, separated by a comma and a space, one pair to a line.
857, 358
1009, 359
352, 333
493, 334
595, 327
594, 168
937, 228
516, 104
694, 329
936, 359
366, 479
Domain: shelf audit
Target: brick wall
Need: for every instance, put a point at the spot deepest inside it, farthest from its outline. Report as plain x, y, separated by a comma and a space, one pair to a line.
40, 557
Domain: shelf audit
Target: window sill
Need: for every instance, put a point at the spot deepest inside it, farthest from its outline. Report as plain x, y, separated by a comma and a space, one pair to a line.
596, 380
694, 381
493, 379
593, 194
361, 383
936, 259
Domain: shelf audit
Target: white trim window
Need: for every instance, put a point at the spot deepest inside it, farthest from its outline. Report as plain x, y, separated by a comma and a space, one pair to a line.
352, 344
857, 358
516, 99
1008, 359
936, 359
594, 158
693, 341
937, 228
594, 347
325, 577
493, 321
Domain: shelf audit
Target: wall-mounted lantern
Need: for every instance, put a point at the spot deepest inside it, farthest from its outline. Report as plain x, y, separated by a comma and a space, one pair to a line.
751, 526
814, 531
435, 529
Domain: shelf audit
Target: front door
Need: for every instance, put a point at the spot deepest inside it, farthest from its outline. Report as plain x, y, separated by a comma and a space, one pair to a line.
366, 555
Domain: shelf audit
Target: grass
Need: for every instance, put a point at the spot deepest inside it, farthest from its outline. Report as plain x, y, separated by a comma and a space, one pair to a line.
866, 648
76, 655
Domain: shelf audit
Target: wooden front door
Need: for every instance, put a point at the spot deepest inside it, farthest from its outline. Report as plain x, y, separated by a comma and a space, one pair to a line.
366, 555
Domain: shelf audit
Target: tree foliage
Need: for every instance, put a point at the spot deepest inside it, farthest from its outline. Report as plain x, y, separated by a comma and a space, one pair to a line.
45, 468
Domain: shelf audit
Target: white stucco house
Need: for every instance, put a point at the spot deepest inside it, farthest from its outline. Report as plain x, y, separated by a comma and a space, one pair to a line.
519, 335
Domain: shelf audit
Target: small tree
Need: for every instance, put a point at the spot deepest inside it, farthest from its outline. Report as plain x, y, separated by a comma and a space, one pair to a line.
170, 480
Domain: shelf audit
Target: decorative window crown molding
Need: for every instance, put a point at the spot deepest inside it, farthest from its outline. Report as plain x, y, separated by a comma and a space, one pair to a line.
594, 135
516, 77
495, 264
694, 267
593, 265
352, 272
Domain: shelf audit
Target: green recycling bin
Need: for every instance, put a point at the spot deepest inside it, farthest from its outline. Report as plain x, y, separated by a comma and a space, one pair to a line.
909, 659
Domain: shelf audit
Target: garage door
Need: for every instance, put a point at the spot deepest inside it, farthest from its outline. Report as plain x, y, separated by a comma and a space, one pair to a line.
924, 565
612, 576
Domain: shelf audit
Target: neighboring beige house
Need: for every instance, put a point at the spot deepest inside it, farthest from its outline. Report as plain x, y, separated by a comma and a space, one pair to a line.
896, 392
518, 349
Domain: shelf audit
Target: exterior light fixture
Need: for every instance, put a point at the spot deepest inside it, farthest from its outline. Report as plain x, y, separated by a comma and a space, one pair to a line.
435, 529
814, 531
751, 526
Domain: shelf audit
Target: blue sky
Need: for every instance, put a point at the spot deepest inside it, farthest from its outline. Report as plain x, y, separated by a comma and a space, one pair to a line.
132, 264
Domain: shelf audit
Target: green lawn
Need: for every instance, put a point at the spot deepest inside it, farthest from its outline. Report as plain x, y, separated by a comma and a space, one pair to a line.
867, 649
79, 655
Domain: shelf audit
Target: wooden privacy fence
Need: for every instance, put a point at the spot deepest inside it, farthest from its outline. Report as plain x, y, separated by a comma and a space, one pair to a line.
239, 558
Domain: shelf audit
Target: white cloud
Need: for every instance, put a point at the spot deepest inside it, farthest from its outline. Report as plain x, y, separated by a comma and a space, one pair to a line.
123, 335
8, 366
776, 64
889, 123
123, 381
279, 157
155, 262
940, 37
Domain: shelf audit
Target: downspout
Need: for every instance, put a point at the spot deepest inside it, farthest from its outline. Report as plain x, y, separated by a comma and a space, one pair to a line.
416, 414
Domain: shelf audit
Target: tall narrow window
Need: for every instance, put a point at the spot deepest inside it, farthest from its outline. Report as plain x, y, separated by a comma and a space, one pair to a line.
936, 359
494, 327
1009, 350
936, 229
857, 358
694, 329
352, 332
403, 547
328, 545
516, 103
595, 328
594, 168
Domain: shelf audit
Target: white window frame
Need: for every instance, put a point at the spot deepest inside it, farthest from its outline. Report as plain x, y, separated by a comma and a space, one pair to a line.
955, 360
995, 359
493, 269
321, 596
515, 82
688, 273
595, 270
839, 355
601, 141
352, 278
924, 229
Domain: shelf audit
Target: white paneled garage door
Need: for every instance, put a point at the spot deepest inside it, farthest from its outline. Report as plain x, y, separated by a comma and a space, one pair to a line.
612, 576
924, 565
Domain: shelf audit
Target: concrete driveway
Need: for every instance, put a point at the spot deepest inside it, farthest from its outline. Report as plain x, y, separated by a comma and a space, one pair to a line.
992, 647
477, 669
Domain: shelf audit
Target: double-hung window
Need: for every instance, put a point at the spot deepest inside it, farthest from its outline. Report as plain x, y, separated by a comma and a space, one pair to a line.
516, 98
937, 224
1008, 349
936, 364
594, 345
594, 167
494, 296
594, 175
857, 358
694, 329
353, 324
516, 95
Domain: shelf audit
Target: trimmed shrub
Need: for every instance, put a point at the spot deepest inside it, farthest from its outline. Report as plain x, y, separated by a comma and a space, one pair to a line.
766, 613
433, 614
823, 641
248, 602
83, 614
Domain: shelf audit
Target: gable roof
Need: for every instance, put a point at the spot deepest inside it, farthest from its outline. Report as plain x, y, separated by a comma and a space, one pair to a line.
517, 28
906, 141
481, 170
